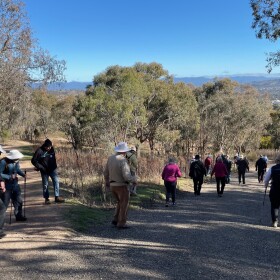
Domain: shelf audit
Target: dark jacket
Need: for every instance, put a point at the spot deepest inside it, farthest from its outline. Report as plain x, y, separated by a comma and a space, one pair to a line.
197, 169
242, 165
43, 160
261, 164
275, 182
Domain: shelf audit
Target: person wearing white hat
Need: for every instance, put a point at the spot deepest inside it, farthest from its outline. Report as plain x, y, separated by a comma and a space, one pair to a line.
9, 169
117, 177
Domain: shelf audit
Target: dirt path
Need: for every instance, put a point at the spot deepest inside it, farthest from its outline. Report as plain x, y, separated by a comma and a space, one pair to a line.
202, 237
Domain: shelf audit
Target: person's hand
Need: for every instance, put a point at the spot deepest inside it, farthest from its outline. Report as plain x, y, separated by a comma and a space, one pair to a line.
2, 187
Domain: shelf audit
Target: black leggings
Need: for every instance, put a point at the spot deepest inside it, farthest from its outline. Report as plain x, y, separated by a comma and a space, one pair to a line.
170, 190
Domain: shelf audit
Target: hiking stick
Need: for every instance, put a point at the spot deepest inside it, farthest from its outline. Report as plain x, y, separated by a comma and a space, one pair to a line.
24, 194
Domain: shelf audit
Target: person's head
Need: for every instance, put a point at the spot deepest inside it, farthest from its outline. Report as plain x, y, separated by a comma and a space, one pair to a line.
133, 149
122, 148
197, 157
172, 160
219, 159
277, 159
14, 155
47, 144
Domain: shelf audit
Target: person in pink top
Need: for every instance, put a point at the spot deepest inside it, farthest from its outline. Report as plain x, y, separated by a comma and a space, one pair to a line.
169, 174
220, 172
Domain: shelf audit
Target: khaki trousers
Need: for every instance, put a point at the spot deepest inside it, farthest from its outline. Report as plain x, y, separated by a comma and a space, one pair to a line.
121, 193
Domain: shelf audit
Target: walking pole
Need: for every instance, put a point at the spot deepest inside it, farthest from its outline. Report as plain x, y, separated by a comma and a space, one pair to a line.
24, 195
11, 210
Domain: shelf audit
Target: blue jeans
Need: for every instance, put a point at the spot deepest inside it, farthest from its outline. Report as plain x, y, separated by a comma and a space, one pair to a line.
45, 183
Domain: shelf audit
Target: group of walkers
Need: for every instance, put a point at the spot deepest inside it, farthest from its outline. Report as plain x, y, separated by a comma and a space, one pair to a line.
44, 160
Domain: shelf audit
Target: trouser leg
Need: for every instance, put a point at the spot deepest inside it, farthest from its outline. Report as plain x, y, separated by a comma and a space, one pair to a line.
45, 184
2, 214
55, 181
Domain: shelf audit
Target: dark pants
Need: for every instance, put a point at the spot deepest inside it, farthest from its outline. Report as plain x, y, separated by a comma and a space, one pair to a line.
241, 175
197, 183
170, 190
14, 195
2, 213
275, 204
260, 175
221, 181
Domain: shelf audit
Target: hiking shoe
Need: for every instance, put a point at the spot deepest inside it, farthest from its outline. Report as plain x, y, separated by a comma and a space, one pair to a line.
114, 223
20, 218
47, 201
59, 199
174, 204
123, 227
2, 234
275, 224
166, 204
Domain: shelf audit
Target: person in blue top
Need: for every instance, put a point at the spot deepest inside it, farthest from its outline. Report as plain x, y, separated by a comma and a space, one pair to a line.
44, 161
9, 171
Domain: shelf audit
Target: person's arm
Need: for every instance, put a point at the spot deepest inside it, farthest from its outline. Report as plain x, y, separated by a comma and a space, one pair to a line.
35, 161
125, 169
267, 178
179, 173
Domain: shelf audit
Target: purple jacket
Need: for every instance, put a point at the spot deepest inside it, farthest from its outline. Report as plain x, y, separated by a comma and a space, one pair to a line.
220, 170
170, 172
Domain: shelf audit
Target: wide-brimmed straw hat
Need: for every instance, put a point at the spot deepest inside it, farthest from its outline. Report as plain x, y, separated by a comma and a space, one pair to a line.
14, 154
122, 147
2, 150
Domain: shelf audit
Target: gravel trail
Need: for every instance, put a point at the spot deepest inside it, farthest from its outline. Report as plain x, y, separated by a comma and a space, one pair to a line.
203, 237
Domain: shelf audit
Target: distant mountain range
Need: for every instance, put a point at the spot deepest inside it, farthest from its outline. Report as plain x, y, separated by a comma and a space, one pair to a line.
264, 83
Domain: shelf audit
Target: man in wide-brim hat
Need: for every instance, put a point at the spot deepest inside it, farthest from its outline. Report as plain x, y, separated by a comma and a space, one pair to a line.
9, 169
117, 177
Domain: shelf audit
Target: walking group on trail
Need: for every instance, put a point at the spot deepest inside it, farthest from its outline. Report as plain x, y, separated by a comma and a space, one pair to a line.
44, 161
120, 175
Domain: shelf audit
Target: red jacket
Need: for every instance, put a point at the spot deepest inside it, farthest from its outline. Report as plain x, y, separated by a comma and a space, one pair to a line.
220, 170
170, 172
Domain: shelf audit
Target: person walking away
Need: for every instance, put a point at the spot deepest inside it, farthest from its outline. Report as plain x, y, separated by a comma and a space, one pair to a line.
197, 172
132, 161
242, 166
9, 169
169, 174
261, 166
228, 164
207, 164
273, 175
44, 161
220, 171
117, 177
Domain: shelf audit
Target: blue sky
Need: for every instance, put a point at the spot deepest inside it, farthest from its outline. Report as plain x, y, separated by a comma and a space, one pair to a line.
188, 37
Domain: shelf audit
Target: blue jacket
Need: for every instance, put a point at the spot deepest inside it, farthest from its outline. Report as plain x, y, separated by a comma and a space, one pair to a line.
7, 169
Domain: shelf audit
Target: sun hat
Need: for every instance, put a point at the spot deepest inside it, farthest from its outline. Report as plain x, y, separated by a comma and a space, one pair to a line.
2, 150
122, 147
133, 148
14, 154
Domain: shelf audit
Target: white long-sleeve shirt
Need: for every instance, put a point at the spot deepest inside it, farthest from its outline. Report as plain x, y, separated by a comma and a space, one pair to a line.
267, 177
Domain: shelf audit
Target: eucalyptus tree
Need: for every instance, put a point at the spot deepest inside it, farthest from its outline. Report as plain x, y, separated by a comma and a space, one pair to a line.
21, 61
266, 22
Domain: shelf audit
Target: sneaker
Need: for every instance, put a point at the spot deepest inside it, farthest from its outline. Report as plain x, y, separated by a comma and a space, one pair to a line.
59, 199
123, 227
47, 201
20, 218
2, 234
275, 224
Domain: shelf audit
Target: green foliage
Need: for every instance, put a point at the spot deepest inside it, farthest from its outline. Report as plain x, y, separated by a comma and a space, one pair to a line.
266, 142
